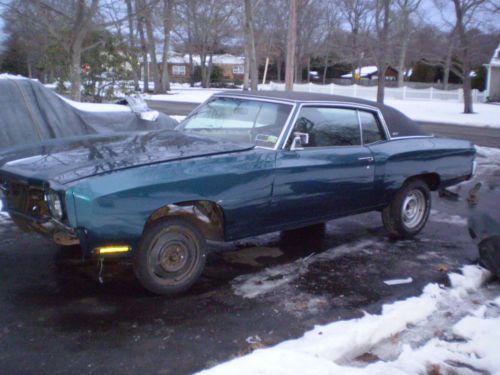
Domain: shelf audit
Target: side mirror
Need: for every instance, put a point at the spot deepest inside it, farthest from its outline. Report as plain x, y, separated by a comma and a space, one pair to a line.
299, 140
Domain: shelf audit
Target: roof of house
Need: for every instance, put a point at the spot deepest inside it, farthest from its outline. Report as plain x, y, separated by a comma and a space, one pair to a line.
495, 59
399, 125
177, 58
363, 72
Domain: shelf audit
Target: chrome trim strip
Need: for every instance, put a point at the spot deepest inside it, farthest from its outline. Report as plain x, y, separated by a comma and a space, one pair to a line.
411, 136
360, 128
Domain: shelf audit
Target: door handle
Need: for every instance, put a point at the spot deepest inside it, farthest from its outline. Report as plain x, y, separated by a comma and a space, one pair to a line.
367, 158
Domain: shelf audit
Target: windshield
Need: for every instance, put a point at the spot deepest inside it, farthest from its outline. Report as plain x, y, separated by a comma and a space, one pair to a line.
239, 120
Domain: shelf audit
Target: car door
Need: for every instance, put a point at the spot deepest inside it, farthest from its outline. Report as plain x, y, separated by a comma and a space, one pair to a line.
332, 175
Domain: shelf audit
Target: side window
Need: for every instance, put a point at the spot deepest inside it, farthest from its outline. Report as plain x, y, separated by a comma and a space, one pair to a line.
328, 127
372, 131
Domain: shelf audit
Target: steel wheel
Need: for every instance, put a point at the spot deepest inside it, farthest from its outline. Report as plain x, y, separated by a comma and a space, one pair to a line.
413, 209
171, 256
408, 211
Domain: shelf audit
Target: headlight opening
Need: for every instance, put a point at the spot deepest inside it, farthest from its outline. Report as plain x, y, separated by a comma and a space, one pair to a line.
55, 205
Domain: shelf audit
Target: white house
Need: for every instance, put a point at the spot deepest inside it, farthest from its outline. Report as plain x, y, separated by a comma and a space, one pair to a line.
493, 77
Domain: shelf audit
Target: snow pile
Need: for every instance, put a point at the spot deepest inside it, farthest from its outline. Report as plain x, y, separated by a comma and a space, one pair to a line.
334, 348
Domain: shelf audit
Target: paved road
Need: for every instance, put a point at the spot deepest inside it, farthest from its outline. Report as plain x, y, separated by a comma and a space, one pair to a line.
489, 137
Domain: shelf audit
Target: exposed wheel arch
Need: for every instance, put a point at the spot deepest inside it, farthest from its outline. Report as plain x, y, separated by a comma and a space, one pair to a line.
206, 215
433, 180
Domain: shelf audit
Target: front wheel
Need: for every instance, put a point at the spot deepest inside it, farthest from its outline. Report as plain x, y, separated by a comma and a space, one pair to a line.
171, 256
409, 210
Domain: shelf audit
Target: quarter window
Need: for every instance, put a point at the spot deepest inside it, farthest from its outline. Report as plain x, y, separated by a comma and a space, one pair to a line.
329, 127
372, 131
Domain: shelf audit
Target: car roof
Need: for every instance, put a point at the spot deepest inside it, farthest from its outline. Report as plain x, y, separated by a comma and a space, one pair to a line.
398, 124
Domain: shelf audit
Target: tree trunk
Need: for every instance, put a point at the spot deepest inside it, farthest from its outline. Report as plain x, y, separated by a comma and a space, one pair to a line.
382, 58
402, 60
167, 27
381, 84
151, 44
250, 46
75, 74
246, 75
325, 69
447, 63
308, 69
291, 46
133, 54
191, 69
355, 52
278, 70
464, 46
144, 52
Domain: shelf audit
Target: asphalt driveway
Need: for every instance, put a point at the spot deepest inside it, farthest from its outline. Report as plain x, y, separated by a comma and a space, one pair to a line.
57, 318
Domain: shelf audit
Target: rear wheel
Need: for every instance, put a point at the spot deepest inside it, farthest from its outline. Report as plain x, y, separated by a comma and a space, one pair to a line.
171, 256
409, 210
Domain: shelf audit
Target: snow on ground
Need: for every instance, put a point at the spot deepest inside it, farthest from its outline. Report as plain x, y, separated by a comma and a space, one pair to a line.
454, 328
192, 95
438, 111
443, 217
448, 112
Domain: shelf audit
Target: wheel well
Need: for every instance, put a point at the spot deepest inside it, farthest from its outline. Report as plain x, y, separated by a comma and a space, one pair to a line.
431, 179
208, 216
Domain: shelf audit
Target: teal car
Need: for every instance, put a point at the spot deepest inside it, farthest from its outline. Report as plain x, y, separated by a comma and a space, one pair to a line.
239, 165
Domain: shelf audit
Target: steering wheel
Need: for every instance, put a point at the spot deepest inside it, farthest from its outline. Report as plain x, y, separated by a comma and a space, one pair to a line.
304, 125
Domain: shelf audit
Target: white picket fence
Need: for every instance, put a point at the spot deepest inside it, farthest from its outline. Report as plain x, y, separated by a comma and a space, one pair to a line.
370, 92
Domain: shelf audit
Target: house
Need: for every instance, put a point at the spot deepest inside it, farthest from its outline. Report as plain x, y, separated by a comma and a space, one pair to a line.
371, 72
493, 77
232, 67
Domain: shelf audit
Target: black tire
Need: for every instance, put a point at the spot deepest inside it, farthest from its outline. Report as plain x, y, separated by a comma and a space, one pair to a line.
408, 211
170, 257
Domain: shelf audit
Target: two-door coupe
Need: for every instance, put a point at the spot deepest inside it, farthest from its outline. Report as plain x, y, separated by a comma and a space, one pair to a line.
239, 165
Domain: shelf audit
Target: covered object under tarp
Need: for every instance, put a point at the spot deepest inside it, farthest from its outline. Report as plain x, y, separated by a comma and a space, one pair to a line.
30, 113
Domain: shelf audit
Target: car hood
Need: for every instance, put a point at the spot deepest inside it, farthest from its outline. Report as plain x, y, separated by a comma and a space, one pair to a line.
68, 160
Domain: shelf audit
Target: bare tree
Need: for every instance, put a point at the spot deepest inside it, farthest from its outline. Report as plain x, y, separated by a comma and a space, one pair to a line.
355, 12
203, 27
465, 13
147, 19
405, 9
291, 45
381, 20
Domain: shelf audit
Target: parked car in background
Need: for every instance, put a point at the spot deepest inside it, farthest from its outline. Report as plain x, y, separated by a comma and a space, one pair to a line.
240, 165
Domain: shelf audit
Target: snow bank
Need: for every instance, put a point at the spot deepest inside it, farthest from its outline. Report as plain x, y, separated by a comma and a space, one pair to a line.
326, 349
